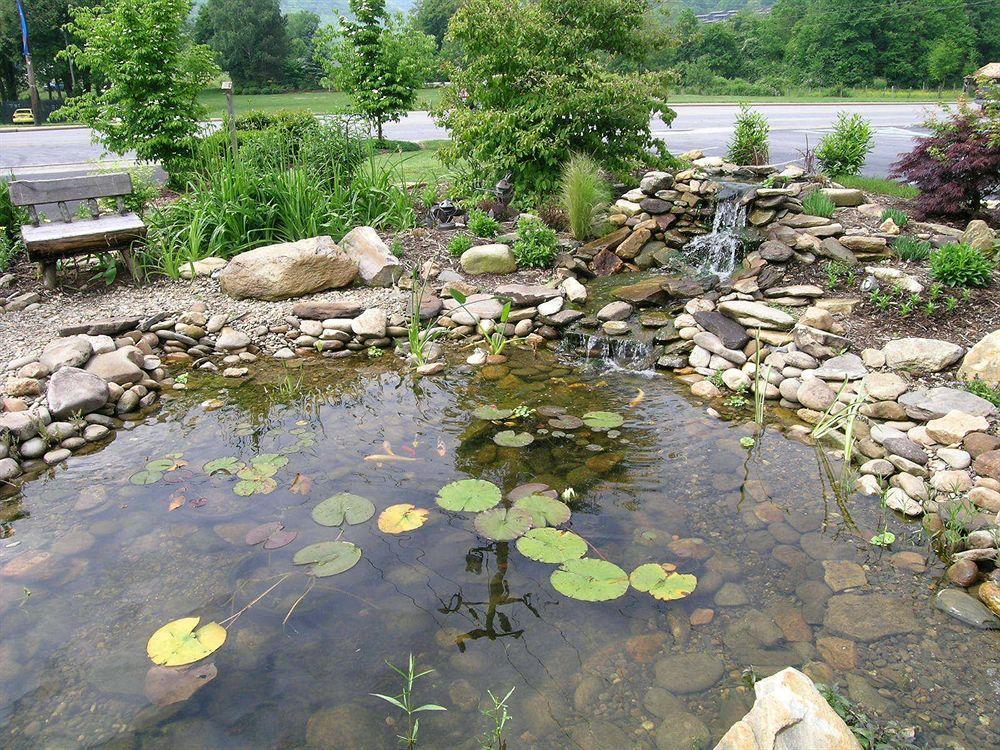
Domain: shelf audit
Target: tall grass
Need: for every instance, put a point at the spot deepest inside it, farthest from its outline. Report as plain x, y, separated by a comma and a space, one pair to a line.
585, 196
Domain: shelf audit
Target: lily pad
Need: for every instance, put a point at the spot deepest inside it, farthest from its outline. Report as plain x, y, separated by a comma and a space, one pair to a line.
491, 413
146, 476
257, 471
397, 519
280, 539
179, 642
328, 558
261, 533
662, 581
277, 460
566, 422
166, 685
551, 545
603, 420
345, 507
503, 524
472, 495
544, 510
256, 486
229, 465
590, 580
511, 439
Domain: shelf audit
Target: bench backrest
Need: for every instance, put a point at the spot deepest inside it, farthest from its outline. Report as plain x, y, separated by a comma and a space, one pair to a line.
88, 189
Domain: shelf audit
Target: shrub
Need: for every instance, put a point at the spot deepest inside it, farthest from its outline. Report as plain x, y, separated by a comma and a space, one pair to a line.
482, 224
459, 244
585, 195
8, 251
899, 218
750, 139
818, 204
984, 390
536, 243
910, 248
535, 82
958, 164
844, 150
957, 264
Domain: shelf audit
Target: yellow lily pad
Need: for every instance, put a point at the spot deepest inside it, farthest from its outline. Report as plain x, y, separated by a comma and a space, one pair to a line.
397, 519
179, 642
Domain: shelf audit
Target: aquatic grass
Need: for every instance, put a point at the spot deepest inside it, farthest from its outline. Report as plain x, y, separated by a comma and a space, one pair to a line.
759, 384
404, 701
497, 338
499, 714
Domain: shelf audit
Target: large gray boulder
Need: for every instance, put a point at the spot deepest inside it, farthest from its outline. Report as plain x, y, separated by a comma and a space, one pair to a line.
287, 270
921, 356
75, 391
377, 265
122, 366
72, 351
494, 258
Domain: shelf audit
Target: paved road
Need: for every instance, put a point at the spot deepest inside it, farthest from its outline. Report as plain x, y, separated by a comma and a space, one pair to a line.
707, 127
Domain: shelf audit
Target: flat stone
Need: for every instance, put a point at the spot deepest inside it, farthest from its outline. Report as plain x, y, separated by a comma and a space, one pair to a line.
712, 343
743, 311
988, 464
776, 251
932, 403
529, 295
921, 356
869, 617
730, 333
965, 608
838, 368
73, 351
884, 386
615, 311
843, 574
230, 339
684, 674
954, 426
370, 324
844, 197
646, 292
122, 366
908, 449
319, 310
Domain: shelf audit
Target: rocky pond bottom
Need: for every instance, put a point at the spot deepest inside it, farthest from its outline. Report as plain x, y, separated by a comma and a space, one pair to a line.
106, 549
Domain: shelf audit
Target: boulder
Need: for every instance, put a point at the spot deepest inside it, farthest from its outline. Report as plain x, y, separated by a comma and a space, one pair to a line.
982, 362
834, 250
752, 314
289, 269
230, 339
122, 366
954, 426
844, 197
654, 182
921, 356
731, 333
495, 258
528, 295
377, 266
863, 243
789, 713
477, 307
72, 351
979, 236
869, 617
843, 366
776, 251
370, 324
988, 464
75, 391
575, 291
931, 403
884, 386
646, 292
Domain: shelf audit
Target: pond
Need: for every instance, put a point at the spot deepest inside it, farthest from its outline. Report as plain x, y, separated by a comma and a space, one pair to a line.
108, 549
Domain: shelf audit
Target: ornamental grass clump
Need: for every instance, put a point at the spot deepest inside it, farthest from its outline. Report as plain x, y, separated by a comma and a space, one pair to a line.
750, 139
958, 264
910, 248
585, 196
818, 204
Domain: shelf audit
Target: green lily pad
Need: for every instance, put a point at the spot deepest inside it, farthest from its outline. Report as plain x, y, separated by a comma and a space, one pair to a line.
334, 511
544, 510
229, 465
277, 460
511, 439
161, 464
566, 422
590, 580
472, 495
491, 413
503, 524
603, 420
146, 476
328, 558
551, 545
255, 486
257, 471
662, 582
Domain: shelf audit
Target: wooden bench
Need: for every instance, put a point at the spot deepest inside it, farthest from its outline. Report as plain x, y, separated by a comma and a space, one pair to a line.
47, 242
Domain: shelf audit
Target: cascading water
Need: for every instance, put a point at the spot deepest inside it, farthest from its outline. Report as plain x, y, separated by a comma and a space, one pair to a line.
717, 252
609, 352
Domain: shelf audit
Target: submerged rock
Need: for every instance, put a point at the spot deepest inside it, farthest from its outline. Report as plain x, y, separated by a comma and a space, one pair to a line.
682, 674
869, 617
966, 609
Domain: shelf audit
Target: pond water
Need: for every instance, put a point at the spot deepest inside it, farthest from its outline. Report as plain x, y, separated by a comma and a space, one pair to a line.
100, 563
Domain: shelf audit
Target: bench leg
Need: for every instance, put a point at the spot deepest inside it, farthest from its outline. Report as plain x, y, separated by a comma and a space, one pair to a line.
47, 269
129, 257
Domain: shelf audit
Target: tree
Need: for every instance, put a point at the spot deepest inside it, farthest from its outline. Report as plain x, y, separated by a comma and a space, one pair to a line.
248, 36
301, 68
145, 95
537, 80
432, 17
379, 60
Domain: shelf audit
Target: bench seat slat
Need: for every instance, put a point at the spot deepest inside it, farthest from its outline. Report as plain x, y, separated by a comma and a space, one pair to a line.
57, 239
38, 192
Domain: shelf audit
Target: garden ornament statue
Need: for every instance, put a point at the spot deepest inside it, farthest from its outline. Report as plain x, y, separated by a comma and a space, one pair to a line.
443, 214
505, 192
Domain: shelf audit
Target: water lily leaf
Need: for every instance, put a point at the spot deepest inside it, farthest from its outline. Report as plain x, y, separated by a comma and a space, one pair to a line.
590, 580
229, 465
603, 420
503, 524
544, 510
662, 581
566, 422
166, 685
257, 471
511, 439
328, 558
161, 464
257, 486
279, 539
146, 477
276, 460
397, 519
491, 413
263, 532
473, 495
179, 642
551, 545
301, 485
335, 510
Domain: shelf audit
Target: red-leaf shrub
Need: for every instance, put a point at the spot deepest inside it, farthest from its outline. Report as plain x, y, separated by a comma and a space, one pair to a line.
957, 165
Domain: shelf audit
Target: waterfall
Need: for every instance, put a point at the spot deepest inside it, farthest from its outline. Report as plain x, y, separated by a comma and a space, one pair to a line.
604, 353
718, 251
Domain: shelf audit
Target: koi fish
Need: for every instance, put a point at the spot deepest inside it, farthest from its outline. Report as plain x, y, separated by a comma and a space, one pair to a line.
639, 398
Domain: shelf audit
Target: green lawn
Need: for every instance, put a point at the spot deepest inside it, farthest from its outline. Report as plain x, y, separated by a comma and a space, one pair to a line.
320, 102
805, 96
417, 166
879, 186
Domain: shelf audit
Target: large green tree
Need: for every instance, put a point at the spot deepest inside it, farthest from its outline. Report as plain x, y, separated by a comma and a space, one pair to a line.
301, 68
248, 36
432, 17
380, 61
537, 80
145, 93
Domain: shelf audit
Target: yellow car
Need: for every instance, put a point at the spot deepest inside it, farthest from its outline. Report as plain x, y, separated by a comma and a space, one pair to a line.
23, 117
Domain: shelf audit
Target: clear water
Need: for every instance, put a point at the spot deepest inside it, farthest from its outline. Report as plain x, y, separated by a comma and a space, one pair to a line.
718, 251
114, 563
